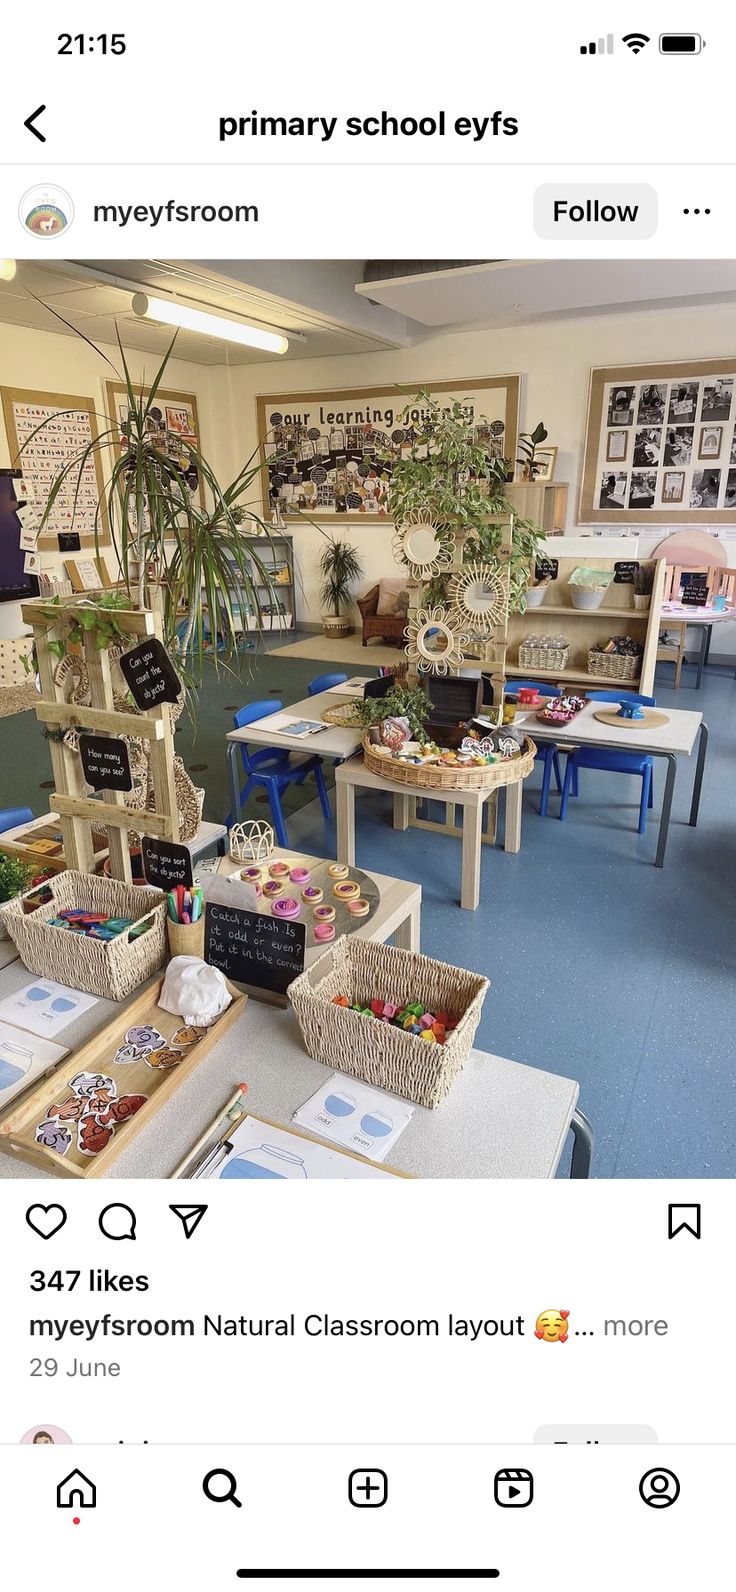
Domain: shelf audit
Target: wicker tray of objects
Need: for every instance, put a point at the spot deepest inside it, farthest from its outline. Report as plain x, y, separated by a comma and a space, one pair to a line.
344, 714
442, 776
614, 665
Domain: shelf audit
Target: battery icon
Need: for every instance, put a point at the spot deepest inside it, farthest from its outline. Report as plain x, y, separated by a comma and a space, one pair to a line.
680, 43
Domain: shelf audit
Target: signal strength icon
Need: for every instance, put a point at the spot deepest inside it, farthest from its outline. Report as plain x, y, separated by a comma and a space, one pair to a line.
602, 47
635, 41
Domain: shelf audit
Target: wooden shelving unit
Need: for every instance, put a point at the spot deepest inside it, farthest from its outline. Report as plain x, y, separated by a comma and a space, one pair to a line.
274, 552
544, 502
583, 628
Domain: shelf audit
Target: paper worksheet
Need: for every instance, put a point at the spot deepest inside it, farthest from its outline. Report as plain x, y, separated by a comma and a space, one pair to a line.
23, 1057
352, 687
367, 1121
262, 1151
288, 724
45, 1007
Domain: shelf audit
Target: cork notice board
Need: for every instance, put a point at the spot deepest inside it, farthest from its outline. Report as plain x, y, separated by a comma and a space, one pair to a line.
46, 431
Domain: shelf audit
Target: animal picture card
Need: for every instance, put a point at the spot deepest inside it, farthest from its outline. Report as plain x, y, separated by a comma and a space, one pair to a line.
23, 1057
366, 1121
45, 1007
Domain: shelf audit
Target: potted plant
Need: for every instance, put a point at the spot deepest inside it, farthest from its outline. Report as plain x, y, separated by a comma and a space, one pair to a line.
643, 583
403, 701
340, 568
15, 876
529, 441
535, 591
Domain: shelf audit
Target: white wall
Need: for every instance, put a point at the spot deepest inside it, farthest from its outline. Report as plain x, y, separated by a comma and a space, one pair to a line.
554, 360
50, 362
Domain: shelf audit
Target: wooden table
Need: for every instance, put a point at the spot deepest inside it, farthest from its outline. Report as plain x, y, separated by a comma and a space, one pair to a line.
398, 912
354, 775
705, 618
500, 1120
672, 740
333, 742
209, 837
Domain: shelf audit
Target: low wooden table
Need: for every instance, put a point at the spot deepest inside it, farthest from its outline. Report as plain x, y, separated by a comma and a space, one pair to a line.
354, 775
209, 837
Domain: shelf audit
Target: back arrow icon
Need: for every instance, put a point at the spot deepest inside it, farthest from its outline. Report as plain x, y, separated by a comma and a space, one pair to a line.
29, 124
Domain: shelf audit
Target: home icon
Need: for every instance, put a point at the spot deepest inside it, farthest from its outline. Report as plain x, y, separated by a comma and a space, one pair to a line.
76, 1491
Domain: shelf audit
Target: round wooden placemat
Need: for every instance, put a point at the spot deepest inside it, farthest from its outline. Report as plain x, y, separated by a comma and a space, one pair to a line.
653, 719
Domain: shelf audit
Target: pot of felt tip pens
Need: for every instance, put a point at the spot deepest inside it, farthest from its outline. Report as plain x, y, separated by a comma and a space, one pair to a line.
185, 921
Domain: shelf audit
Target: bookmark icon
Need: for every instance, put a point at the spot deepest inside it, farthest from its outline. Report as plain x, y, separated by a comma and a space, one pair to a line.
190, 1216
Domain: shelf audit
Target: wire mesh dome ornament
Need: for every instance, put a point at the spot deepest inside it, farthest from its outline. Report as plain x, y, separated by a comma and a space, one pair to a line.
477, 597
251, 842
433, 646
423, 547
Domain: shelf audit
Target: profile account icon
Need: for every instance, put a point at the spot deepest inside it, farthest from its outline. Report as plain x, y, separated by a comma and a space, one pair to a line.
659, 1488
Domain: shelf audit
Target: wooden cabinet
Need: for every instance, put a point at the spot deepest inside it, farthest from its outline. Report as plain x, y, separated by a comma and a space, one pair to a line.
584, 628
543, 502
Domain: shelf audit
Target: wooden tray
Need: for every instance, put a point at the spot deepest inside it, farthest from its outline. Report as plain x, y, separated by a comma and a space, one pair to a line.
18, 1127
652, 720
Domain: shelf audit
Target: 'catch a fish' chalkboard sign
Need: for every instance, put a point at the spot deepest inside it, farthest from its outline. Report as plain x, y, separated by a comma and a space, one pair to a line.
250, 948
150, 675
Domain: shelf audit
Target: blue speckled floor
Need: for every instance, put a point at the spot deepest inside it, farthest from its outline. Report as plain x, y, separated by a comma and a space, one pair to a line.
602, 967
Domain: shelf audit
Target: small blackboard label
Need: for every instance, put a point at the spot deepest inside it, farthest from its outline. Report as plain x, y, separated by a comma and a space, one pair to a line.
166, 864
694, 592
69, 542
250, 948
105, 762
150, 675
546, 568
625, 571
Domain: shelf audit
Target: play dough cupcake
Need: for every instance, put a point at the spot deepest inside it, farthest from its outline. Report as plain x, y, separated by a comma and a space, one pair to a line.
324, 914
252, 875
338, 870
346, 890
359, 908
273, 888
286, 907
301, 875
324, 931
279, 870
312, 895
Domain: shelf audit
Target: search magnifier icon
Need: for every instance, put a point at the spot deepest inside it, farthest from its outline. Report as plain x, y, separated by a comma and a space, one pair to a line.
220, 1487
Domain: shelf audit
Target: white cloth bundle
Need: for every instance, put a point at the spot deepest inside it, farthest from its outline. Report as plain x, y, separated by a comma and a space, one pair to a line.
194, 991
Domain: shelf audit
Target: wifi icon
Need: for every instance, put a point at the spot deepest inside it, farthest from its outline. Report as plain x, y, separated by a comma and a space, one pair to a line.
635, 41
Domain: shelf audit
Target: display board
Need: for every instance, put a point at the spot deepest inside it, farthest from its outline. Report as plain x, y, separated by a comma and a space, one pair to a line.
173, 421
661, 445
46, 431
331, 453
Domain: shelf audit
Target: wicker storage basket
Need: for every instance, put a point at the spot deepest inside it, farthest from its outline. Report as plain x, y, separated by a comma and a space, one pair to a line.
366, 1048
614, 665
110, 968
441, 776
532, 656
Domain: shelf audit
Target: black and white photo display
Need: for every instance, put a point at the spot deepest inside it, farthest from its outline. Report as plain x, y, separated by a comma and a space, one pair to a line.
664, 446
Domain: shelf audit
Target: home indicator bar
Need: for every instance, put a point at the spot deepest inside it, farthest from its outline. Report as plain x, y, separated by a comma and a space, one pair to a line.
366, 1575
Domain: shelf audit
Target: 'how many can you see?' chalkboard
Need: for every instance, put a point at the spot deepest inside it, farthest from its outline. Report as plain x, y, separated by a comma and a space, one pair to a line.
105, 762
250, 948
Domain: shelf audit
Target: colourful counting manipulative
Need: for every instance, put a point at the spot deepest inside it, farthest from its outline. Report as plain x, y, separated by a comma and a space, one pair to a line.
433, 1028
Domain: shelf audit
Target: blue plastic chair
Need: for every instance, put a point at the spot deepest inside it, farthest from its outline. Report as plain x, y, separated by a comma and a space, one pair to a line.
611, 760
323, 682
548, 752
10, 817
274, 770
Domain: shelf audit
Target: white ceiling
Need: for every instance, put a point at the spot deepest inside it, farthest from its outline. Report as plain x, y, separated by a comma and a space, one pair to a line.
517, 292
95, 298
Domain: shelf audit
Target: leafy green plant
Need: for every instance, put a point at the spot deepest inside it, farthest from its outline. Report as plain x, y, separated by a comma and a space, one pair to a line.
340, 567
401, 702
528, 442
14, 876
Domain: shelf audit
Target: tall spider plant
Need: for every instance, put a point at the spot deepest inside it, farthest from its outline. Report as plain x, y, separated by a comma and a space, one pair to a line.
168, 547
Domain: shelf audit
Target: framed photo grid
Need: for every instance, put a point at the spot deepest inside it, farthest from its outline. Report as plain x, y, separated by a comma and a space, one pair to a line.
661, 445
173, 420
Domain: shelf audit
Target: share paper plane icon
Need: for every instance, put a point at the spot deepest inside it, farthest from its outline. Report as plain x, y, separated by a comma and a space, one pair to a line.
190, 1216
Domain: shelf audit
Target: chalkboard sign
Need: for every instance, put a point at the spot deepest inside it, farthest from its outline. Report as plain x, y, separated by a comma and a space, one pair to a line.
150, 675
250, 948
546, 568
694, 592
625, 570
165, 864
69, 542
105, 762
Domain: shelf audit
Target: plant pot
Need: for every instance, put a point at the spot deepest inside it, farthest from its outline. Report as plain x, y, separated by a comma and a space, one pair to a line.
136, 866
535, 596
586, 596
336, 625
642, 602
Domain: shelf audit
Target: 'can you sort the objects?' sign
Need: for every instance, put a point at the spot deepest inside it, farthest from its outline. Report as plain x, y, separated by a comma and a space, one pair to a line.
150, 675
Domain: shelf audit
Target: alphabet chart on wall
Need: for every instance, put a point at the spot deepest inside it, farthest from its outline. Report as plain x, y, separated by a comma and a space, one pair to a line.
46, 432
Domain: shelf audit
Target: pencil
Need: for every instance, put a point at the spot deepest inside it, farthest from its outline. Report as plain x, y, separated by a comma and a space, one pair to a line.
224, 1119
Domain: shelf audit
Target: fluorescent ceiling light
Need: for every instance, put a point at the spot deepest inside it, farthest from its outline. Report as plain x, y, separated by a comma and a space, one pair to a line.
171, 313
8, 269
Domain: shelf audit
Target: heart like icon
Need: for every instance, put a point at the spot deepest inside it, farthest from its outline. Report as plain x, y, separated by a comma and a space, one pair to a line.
46, 1219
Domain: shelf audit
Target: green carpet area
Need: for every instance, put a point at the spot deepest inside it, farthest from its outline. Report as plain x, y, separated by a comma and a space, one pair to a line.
25, 765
